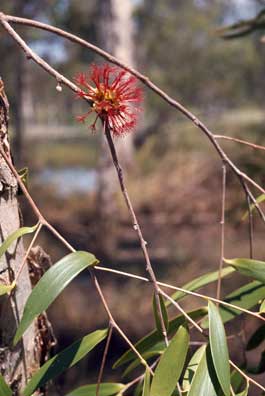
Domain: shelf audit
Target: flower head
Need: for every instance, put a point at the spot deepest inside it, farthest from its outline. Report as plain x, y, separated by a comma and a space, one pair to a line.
114, 97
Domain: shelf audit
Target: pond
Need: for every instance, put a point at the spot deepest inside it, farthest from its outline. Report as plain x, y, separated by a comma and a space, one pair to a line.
67, 181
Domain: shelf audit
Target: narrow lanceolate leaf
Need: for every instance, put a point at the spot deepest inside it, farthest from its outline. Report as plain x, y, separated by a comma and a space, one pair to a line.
4, 388
63, 360
192, 368
146, 387
219, 350
5, 289
14, 236
151, 339
156, 351
245, 391
262, 307
138, 389
157, 315
199, 282
202, 383
171, 364
105, 389
253, 268
51, 285
260, 199
236, 380
245, 297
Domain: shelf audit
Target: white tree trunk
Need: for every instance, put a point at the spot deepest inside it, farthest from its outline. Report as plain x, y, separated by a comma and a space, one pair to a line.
115, 36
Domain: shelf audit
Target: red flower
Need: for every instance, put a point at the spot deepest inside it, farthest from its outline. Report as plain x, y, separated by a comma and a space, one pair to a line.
114, 96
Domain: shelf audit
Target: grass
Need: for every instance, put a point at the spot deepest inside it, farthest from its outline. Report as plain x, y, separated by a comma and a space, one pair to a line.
77, 152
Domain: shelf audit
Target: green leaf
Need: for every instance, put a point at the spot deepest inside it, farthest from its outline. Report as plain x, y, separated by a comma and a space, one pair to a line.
5, 289
253, 268
260, 199
106, 389
151, 339
202, 383
171, 364
14, 236
4, 388
199, 282
138, 389
192, 367
63, 360
245, 297
146, 387
245, 391
219, 350
51, 285
262, 307
157, 316
24, 175
236, 380
157, 350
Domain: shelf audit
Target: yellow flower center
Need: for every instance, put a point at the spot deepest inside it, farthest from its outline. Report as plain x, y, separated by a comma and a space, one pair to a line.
105, 99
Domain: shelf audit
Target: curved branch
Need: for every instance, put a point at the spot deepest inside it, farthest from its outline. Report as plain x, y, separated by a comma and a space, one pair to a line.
5, 19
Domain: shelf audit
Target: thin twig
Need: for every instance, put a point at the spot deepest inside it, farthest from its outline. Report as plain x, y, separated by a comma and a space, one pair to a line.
246, 376
28, 252
60, 237
252, 145
202, 296
102, 366
179, 389
44, 222
114, 324
32, 55
137, 379
173, 302
252, 199
4, 19
250, 227
213, 139
136, 227
222, 223
232, 391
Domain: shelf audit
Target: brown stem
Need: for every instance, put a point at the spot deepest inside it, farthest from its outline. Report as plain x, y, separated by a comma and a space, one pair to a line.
222, 222
245, 142
250, 227
191, 293
4, 19
43, 221
114, 324
102, 366
28, 252
136, 226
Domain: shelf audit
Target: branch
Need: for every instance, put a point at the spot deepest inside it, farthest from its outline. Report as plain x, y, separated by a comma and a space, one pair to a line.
191, 293
4, 19
252, 145
136, 227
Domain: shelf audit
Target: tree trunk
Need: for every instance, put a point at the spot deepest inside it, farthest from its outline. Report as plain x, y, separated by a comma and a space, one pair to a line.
115, 36
16, 363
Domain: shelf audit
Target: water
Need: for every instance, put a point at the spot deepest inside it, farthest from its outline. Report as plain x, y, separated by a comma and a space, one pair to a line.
69, 181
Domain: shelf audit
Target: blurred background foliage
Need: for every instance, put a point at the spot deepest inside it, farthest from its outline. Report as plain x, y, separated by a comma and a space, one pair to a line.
174, 176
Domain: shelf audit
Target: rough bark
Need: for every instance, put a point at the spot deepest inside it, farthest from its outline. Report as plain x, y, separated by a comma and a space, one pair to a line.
16, 363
